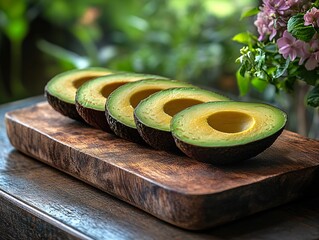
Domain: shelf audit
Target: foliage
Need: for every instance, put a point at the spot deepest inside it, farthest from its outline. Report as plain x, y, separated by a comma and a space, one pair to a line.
187, 40
14, 23
178, 39
286, 51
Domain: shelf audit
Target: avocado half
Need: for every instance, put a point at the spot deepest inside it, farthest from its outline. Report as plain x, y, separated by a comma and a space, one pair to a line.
60, 90
122, 102
91, 97
153, 115
226, 132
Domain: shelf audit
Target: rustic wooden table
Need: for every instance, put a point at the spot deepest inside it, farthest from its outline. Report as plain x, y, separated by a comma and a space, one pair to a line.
40, 202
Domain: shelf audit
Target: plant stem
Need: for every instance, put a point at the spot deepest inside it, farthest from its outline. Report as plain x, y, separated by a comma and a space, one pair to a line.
3, 92
314, 129
16, 87
301, 109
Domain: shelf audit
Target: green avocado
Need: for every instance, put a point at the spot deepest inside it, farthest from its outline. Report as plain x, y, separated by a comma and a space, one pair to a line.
225, 132
60, 90
91, 97
122, 102
153, 114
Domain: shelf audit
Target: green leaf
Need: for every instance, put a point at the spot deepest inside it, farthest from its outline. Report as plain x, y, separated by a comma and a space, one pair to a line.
296, 26
259, 84
260, 58
313, 97
282, 69
243, 38
243, 83
271, 48
250, 12
244, 68
261, 74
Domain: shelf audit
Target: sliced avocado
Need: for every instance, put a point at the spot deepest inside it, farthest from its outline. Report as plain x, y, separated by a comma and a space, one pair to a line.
226, 132
153, 115
60, 90
121, 103
91, 97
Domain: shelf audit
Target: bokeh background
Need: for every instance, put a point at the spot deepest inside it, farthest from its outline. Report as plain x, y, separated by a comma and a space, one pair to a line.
180, 39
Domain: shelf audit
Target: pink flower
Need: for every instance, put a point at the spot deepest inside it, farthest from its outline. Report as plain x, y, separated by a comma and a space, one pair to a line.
299, 5
314, 43
274, 15
313, 61
279, 6
265, 26
290, 46
305, 53
312, 17
310, 54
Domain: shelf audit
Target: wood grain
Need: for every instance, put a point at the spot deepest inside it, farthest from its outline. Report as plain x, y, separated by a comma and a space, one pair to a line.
174, 188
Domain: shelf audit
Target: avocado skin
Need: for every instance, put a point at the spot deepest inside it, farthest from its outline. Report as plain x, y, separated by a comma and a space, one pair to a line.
123, 131
95, 118
227, 155
65, 108
160, 140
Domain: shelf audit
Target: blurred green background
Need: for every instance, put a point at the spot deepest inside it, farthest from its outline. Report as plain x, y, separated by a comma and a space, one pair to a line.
181, 39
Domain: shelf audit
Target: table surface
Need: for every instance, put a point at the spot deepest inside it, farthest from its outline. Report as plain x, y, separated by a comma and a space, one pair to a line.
40, 202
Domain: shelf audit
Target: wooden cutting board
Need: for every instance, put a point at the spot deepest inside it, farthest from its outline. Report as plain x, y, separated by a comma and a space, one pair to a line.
174, 188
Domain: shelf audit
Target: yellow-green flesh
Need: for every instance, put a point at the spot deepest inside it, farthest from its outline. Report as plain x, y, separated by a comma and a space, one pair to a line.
222, 124
93, 94
121, 102
65, 85
157, 110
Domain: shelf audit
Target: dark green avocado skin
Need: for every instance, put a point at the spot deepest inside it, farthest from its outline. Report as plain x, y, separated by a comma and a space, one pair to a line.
65, 108
94, 118
227, 155
123, 131
158, 139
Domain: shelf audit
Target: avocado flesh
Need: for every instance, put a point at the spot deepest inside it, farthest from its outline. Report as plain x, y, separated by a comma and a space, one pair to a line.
153, 115
91, 97
60, 91
226, 132
121, 103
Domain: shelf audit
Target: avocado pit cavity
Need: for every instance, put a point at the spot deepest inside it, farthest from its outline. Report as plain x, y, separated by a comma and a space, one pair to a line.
137, 97
108, 89
79, 82
174, 106
230, 121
